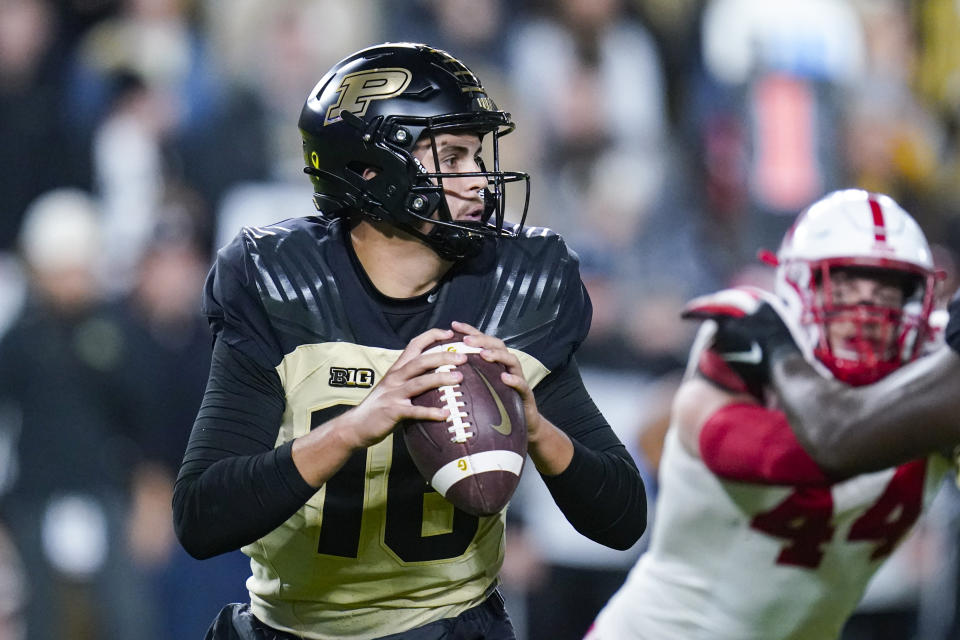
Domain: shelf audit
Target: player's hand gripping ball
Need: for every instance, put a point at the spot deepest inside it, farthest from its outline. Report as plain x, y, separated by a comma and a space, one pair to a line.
475, 457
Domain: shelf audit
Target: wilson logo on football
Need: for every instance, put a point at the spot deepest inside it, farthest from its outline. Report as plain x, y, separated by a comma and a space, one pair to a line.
351, 377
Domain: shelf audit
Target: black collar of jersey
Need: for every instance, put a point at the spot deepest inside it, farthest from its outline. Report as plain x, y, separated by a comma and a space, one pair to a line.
416, 303
461, 295
408, 317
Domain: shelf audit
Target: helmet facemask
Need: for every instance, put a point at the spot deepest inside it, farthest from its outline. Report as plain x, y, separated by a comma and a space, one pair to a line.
857, 275
427, 204
860, 337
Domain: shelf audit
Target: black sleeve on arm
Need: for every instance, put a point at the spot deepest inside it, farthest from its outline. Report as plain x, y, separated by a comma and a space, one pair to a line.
234, 487
601, 493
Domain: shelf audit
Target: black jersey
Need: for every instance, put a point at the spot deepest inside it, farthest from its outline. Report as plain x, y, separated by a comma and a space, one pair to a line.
376, 540
276, 288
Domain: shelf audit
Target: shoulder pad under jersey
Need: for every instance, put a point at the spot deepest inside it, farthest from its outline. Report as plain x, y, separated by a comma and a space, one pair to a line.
272, 288
539, 302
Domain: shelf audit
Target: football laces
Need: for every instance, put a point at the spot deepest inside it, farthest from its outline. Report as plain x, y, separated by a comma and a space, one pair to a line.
460, 429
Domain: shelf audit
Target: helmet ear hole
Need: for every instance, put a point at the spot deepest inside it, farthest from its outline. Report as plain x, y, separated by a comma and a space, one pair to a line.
363, 170
912, 286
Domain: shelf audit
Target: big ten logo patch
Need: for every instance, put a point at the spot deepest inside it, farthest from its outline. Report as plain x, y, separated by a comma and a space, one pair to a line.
351, 377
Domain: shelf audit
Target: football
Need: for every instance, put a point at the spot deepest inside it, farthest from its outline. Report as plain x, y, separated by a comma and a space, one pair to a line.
475, 457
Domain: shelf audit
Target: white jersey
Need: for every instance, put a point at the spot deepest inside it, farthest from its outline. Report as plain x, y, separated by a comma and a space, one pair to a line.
738, 561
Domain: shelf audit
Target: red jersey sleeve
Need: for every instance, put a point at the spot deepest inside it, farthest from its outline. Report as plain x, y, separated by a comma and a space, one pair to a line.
750, 443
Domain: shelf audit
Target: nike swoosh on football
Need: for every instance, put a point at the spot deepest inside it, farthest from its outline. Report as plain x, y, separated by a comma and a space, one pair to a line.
754, 356
505, 426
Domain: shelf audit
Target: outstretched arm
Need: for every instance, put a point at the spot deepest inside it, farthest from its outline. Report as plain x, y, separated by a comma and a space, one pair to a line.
850, 430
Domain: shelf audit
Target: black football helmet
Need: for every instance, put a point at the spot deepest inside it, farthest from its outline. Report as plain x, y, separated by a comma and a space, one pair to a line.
370, 110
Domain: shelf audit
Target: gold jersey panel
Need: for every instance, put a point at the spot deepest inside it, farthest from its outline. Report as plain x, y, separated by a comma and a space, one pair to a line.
354, 561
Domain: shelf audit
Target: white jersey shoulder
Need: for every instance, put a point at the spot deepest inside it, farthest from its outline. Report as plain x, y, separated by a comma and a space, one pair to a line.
738, 561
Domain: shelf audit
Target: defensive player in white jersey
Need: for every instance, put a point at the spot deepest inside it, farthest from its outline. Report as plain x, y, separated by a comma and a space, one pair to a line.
753, 539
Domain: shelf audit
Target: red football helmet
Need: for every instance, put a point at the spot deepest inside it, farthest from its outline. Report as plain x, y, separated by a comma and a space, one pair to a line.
854, 235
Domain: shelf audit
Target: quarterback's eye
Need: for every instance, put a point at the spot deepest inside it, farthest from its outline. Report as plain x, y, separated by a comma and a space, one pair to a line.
449, 161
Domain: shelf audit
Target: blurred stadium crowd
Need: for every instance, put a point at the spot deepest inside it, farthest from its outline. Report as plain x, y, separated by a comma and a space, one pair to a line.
668, 140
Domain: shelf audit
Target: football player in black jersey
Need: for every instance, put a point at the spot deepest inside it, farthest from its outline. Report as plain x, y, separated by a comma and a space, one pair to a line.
852, 430
320, 325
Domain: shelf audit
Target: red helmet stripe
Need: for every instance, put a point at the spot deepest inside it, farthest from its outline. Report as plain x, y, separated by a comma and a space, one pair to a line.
879, 227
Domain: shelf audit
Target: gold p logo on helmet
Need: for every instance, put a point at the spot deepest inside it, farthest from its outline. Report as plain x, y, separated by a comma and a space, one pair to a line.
358, 89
